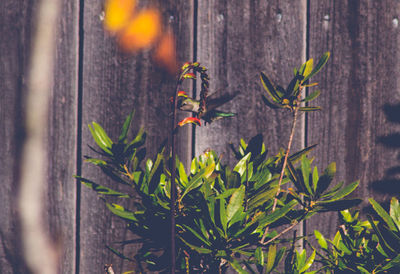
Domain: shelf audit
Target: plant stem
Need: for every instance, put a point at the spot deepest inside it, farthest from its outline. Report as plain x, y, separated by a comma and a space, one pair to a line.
173, 176
281, 233
295, 115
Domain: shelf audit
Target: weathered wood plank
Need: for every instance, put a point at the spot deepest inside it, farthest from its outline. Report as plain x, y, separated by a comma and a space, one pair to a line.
62, 139
113, 84
15, 29
17, 20
358, 84
236, 41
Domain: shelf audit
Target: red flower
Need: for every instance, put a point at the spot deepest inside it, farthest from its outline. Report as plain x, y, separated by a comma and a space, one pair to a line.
189, 76
192, 120
182, 93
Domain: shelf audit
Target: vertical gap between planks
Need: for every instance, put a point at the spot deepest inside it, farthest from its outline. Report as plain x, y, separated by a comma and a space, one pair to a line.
79, 132
304, 117
306, 36
194, 54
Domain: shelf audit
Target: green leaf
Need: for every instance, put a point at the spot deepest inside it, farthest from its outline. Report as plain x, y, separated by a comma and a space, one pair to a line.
137, 141
309, 108
182, 174
279, 257
319, 66
247, 230
301, 258
125, 127
259, 254
193, 166
306, 169
235, 202
198, 249
343, 192
308, 67
346, 216
236, 266
292, 174
263, 195
119, 254
271, 258
321, 239
312, 96
383, 214
241, 166
226, 193
101, 189
326, 178
269, 88
97, 162
332, 191
238, 217
395, 262
297, 156
395, 211
278, 213
222, 214
101, 138
269, 103
337, 205
154, 176
308, 263
197, 179
290, 91
362, 270
195, 233
385, 246
121, 212
315, 178
203, 228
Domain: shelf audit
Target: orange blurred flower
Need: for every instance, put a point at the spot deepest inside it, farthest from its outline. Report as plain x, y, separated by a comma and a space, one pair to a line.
118, 13
140, 30
165, 54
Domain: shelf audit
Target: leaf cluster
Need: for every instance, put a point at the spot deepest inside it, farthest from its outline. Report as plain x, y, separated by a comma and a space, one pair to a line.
363, 246
222, 211
290, 98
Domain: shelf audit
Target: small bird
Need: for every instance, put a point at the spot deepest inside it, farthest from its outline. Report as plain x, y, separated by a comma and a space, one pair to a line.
210, 112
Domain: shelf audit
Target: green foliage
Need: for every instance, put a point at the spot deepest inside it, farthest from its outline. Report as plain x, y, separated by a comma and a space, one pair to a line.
313, 192
279, 97
363, 246
237, 216
222, 211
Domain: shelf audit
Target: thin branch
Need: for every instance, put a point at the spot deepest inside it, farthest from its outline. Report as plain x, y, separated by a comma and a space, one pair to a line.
295, 115
173, 176
281, 233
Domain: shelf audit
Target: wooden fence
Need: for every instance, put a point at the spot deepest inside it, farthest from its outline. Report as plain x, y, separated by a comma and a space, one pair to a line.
358, 126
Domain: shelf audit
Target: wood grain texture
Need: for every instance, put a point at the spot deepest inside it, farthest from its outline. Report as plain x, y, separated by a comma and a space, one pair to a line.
17, 20
359, 93
236, 41
15, 29
61, 191
113, 84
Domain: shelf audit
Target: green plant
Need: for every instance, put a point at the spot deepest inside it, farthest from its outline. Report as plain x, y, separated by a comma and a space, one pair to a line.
363, 246
224, 216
